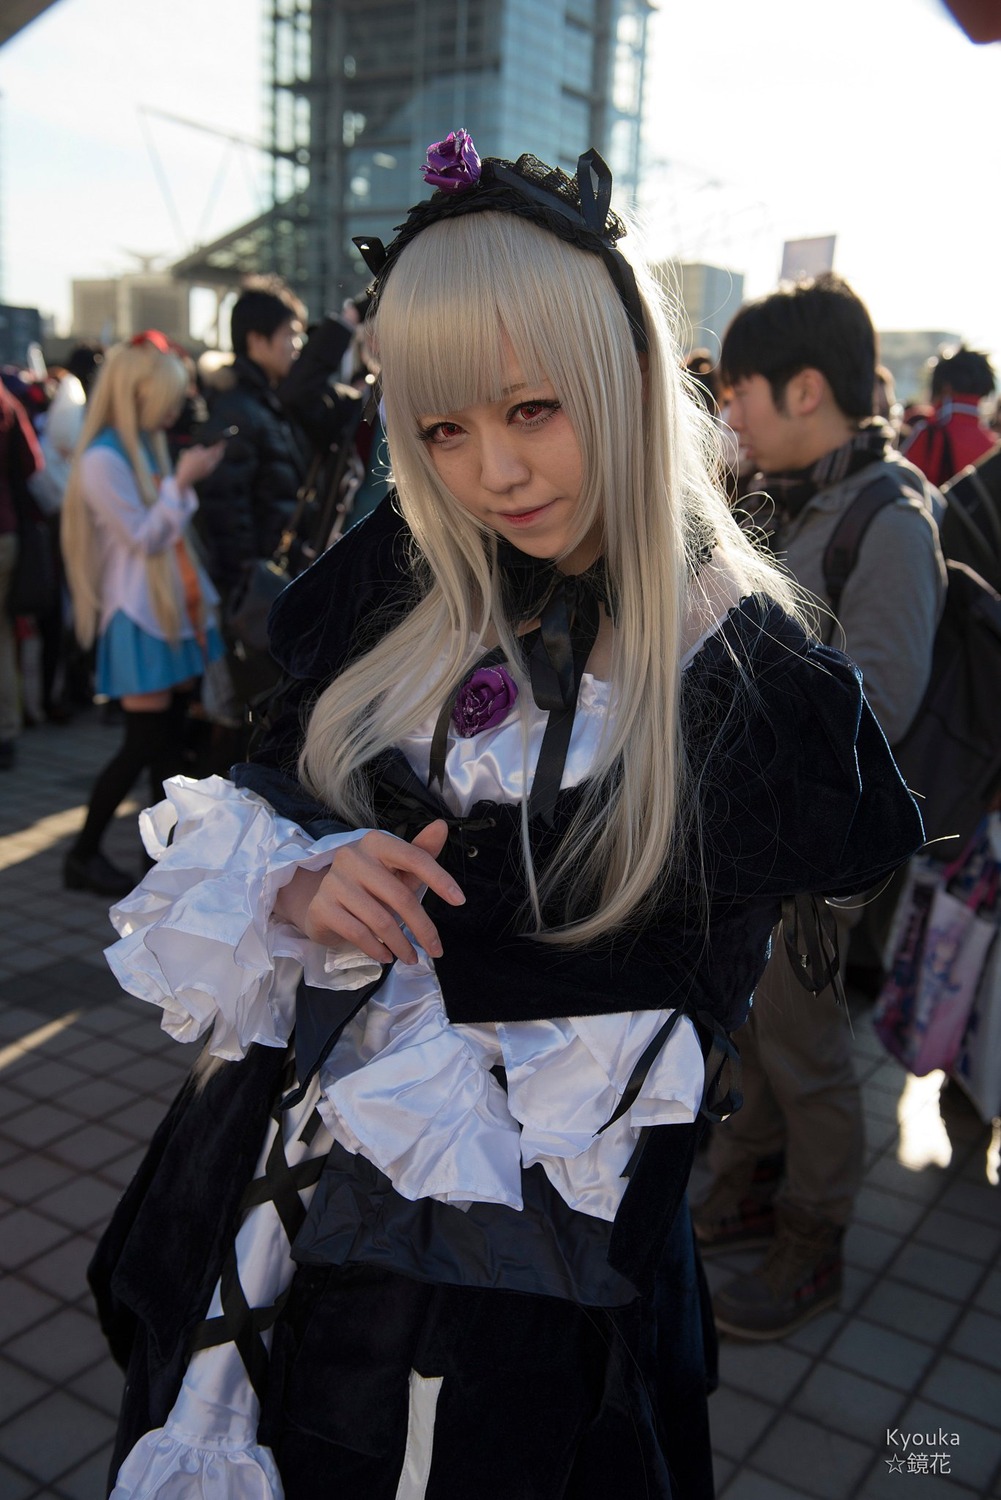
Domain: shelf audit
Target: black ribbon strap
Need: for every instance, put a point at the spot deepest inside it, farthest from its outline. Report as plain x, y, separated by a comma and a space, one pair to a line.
722, 1095
810, 936
638, 1076
568, 630
281, 1184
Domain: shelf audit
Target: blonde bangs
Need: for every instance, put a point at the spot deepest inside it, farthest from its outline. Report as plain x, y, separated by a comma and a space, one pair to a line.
459, 291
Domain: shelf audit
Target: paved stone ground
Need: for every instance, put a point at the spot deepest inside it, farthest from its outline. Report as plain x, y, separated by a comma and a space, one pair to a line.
85, 1074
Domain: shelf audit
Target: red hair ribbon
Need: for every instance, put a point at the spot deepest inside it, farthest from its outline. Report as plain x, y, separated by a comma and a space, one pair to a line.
153, 336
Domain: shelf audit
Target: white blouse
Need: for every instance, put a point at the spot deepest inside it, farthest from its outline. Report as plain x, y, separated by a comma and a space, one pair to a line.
128, 532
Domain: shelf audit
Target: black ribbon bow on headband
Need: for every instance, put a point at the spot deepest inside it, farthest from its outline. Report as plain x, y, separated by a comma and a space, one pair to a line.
576, 209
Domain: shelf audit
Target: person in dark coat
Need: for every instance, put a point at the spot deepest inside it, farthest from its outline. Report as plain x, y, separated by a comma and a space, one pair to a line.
286, 409
247, 502
20, 456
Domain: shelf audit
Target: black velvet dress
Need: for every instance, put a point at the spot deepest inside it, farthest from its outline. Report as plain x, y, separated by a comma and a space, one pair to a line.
574, 1354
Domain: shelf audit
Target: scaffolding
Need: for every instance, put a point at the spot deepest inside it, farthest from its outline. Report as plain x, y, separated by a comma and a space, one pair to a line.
355, 89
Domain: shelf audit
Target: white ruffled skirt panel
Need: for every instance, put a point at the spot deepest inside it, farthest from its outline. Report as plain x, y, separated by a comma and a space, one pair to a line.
410, 1093
207, 1449
414, 1095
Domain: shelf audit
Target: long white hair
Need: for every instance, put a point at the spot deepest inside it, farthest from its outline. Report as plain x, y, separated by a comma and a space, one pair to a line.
136, 390
458, 292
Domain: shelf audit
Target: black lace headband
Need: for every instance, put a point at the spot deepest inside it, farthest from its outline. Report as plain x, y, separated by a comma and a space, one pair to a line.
575, 209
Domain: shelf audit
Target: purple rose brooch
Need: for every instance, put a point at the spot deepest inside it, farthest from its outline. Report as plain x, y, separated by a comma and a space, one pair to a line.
452, 164
484, 700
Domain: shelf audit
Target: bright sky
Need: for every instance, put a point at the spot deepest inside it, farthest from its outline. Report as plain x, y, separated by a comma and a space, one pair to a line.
876, 120
879, 125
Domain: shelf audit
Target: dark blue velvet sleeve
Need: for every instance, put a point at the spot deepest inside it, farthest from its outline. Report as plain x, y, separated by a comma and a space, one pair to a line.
799, 790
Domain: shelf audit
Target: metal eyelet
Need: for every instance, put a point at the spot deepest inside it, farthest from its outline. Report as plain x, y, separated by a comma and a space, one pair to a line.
472, 851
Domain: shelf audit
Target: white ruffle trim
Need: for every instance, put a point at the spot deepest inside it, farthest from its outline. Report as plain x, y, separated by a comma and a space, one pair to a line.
164, 1467
196, 935
414, 1094
405, 1090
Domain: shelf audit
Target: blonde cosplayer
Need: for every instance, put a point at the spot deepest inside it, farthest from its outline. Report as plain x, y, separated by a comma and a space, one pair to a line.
457, 291
138, 389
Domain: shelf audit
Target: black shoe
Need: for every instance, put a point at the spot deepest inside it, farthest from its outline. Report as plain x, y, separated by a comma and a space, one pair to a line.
8, 755
96, 873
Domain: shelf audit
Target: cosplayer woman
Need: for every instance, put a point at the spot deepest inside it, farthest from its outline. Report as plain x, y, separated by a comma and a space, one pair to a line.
553, 747
135, 584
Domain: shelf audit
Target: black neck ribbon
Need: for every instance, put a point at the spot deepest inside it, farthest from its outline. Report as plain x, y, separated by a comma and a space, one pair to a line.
569, 607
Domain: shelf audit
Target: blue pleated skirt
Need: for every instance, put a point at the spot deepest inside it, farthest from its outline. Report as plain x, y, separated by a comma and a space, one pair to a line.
130, 660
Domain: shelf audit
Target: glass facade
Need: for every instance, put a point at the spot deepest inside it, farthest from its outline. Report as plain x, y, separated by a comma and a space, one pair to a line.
361, 86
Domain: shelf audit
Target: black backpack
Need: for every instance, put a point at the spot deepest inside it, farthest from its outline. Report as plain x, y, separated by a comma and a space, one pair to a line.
971, 526
950, 757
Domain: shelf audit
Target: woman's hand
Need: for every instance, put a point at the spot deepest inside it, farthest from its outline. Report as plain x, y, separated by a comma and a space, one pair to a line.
196, 463
369, 889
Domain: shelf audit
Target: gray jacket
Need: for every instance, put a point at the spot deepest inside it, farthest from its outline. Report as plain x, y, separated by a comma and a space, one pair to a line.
893, 600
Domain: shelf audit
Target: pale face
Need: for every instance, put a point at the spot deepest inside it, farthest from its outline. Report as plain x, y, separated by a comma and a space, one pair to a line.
769, 439
276, 354
515, 466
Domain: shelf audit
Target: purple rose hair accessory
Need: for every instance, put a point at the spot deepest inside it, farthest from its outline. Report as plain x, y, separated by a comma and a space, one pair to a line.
483, 701
453, 164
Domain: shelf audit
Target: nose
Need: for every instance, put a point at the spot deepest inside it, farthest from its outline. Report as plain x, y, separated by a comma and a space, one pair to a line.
501, 466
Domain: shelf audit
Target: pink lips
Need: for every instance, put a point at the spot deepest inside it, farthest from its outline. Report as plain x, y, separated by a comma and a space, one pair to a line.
526, 517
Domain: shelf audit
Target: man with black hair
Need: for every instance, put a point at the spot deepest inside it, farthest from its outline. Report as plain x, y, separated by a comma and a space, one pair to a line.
956, 434
283, 413
246, 503
799, 366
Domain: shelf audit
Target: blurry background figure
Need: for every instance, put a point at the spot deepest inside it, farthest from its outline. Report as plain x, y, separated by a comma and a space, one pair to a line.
971, 526
20, 457
61, 433
956, 434
194, 412
885, 403
705, 385
136, 585
291, 414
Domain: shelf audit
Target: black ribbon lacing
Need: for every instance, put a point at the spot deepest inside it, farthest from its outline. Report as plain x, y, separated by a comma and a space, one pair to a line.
810, 936
281, 1184
569, 607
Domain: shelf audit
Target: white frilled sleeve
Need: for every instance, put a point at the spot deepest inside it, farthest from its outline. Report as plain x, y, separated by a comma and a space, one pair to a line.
197, 936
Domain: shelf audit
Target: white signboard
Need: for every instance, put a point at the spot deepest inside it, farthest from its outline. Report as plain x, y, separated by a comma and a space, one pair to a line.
802, 258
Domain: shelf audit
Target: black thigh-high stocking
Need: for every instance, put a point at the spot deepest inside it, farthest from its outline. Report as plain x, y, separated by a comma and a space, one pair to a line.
169, 757
147, 742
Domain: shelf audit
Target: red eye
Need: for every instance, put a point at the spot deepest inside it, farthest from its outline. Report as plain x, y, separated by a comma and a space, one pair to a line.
440, 432
532, 413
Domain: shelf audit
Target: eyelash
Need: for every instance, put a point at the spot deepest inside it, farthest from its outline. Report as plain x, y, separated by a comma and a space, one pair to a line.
546, 409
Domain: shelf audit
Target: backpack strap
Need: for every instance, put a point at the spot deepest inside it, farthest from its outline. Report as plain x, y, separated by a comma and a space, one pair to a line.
841, 552
947, 457
973, 512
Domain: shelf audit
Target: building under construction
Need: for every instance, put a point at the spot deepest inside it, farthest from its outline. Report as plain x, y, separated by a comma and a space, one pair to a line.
357, 89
